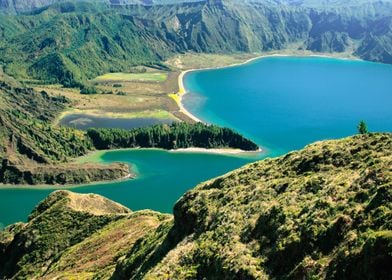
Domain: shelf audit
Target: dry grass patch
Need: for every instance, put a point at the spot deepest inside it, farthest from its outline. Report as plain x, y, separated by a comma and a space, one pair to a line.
97, 255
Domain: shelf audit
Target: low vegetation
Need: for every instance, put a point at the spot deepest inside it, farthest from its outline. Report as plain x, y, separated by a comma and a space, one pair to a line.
124, 77
71, 235
324, 212
175, 136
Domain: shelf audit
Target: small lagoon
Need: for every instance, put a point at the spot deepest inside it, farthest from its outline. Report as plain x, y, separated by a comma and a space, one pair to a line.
85, 121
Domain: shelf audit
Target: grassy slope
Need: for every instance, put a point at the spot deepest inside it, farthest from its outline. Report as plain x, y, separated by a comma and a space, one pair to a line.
124, 77
72, 234
324, 212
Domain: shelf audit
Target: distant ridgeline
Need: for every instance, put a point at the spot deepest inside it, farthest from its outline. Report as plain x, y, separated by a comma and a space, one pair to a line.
70, 42
175, 136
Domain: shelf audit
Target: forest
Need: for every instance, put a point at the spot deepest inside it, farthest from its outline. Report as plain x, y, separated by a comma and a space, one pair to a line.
175, 136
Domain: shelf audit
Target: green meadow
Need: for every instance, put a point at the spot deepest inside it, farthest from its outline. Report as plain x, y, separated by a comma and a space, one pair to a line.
130, 77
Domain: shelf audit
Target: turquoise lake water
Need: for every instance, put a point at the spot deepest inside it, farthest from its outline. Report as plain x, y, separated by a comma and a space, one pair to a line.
282, 103
285, 103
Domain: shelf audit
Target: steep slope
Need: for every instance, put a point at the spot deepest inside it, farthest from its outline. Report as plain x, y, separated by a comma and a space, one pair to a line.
27, 6
71, 234
68, 47
33, 151
71, 42
324, 212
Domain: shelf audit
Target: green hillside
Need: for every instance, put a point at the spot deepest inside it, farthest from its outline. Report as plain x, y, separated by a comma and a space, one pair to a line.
71, 42
87, 230
33, 151
324, 212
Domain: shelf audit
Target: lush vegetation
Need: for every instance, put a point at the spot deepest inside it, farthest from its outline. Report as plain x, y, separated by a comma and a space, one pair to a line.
324, 212
72, 42
175, 136
33, 151
27, 130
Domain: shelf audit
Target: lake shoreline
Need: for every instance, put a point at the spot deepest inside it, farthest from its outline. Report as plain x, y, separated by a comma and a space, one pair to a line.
152, 114
221, 151
178, 97
97, 154
95, 157
130, 176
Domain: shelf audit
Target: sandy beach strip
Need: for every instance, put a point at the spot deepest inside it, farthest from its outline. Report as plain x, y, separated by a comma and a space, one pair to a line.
224, 151
178, 97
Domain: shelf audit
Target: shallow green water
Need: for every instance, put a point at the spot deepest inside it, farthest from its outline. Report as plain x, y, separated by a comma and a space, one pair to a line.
281, 103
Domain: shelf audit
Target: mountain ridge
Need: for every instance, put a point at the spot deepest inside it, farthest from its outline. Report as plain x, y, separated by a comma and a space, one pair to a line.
88, 40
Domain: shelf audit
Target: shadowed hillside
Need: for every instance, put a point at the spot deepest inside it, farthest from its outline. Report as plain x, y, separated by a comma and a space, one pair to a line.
33, 151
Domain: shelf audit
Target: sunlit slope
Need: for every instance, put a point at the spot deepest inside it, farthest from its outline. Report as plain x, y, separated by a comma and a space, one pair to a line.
320, 213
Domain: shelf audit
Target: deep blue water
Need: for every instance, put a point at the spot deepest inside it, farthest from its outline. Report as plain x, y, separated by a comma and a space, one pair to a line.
285, 103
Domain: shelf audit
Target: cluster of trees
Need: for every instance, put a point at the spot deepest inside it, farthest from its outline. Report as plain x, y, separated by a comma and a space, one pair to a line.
88, 90
174, 136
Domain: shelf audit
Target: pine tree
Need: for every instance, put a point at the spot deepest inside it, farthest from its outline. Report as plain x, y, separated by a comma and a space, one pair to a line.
362, 128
